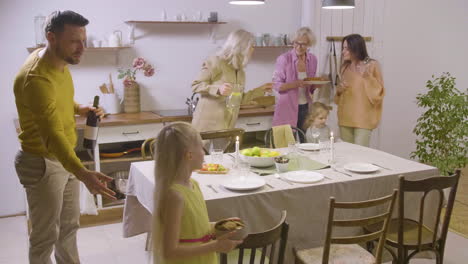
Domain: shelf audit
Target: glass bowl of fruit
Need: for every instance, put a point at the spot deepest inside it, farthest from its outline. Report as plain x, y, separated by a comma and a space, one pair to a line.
259, 157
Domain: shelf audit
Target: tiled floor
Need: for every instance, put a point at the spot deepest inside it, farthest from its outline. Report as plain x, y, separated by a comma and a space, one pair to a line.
102, 244
105, 244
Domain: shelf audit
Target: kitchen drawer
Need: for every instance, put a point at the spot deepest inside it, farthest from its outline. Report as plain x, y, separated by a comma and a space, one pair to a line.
254, 123
114, 134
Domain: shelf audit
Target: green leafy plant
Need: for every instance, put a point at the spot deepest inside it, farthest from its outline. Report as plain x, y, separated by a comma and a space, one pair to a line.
442, 130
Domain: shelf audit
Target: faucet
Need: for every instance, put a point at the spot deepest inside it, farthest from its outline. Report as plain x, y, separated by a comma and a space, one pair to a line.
192, 103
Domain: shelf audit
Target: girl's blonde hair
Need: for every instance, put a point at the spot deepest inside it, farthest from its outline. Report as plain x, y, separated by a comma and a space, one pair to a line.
172, 142
306, 32
316, 109
237, 47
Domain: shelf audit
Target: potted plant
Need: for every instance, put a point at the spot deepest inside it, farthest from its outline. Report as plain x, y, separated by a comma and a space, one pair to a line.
131, 87
442, 130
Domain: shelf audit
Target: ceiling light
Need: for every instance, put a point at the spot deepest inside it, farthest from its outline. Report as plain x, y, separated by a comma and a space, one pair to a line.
247, 2
337, 4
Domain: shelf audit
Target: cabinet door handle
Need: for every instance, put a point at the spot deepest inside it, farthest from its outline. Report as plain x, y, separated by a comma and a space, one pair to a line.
253, 124
130, 133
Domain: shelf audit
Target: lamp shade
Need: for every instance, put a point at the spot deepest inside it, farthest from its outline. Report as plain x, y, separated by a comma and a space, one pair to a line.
247, 2
338, 4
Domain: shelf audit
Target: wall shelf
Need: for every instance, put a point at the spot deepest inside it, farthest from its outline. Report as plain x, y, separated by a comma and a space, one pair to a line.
274, 47
31, 49
133, 23
173, 22
340, 38
92, 49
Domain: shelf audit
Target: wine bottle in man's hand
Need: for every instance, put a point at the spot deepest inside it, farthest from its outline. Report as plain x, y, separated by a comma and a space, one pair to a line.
92, 126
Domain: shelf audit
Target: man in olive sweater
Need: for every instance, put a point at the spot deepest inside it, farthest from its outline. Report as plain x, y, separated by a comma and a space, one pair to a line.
47, 165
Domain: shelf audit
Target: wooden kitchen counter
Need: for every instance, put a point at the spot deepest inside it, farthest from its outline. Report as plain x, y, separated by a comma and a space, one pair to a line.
150, 117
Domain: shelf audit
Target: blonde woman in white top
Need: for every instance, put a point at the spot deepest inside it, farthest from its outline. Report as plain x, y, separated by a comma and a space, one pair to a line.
220, 76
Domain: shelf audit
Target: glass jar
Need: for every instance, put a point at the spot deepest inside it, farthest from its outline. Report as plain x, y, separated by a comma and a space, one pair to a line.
39, 31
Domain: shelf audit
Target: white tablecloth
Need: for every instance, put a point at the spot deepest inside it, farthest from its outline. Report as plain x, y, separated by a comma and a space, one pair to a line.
306, 204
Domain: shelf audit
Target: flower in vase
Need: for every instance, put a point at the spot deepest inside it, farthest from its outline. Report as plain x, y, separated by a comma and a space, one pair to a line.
139, 64
149, 71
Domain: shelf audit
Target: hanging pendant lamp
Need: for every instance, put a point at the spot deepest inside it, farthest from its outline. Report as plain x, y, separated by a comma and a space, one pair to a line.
247, 2
338, 4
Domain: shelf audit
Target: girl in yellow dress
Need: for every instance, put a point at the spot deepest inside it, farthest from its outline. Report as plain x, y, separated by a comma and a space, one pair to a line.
182, 231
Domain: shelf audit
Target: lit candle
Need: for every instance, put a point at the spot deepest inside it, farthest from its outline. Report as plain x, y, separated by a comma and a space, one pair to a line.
237, 150
332, 147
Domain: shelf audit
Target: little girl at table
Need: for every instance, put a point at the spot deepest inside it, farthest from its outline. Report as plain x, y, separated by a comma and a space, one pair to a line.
316, 123
182, 232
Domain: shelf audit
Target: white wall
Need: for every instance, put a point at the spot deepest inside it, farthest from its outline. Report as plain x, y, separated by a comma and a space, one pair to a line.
176, 50
422, 38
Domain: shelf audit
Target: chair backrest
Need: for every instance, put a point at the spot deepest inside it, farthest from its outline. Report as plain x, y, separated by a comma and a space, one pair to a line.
379, 234
269, 142
267, 242
228, 134
148, 144
425, 186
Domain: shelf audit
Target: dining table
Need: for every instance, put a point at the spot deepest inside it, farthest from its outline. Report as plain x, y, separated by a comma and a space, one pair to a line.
307, 204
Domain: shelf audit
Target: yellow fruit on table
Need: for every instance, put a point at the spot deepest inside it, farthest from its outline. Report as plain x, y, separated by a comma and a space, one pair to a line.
246, 152
256, 151
274, 153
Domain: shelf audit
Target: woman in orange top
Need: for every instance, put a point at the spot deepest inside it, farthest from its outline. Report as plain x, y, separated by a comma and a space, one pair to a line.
360, 93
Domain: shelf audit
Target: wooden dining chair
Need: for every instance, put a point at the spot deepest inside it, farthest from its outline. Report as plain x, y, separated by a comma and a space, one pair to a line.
269, 141
406, 234
148, 145
262, 243
345, 250
228, 134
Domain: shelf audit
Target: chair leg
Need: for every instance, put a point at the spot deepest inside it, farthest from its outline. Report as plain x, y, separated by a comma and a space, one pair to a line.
440, 253
405, 254
394, 255
149, 242
439, 257
370, 246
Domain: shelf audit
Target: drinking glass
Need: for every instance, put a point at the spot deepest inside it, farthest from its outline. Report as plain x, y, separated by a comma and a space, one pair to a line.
234, 99
216, 156
243, 169
315, 134
292, 147
338, 162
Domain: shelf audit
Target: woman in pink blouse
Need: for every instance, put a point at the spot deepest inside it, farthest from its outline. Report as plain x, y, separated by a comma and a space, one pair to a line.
292, 67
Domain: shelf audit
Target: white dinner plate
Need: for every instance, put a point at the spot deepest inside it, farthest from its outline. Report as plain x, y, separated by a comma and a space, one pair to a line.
302, 176
309, 146
361, 167
243, 183
316, 82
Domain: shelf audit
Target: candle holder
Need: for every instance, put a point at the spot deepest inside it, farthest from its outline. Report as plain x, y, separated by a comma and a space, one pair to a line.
236, 159
332, 148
